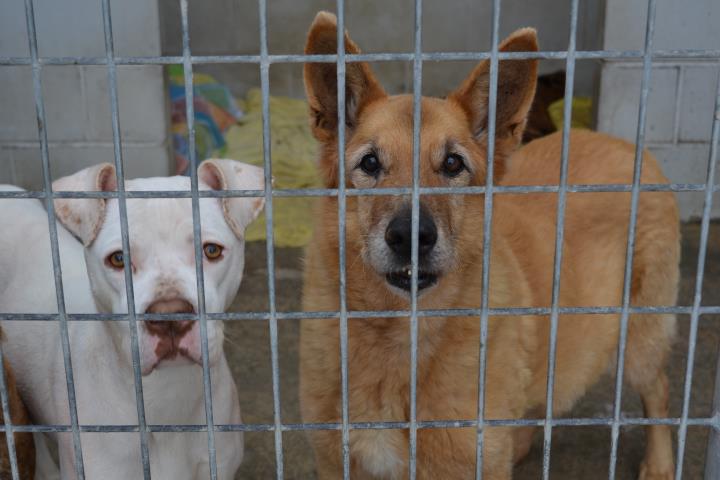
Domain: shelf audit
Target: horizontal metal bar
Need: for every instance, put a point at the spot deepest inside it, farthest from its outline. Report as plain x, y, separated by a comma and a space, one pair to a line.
362, 192
429, 424
360, 314
367, 57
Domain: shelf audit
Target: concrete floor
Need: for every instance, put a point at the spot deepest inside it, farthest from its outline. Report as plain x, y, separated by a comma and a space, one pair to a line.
577, 452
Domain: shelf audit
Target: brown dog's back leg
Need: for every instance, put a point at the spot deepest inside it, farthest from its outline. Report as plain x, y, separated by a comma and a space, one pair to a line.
648, 341
658, 462
654, 282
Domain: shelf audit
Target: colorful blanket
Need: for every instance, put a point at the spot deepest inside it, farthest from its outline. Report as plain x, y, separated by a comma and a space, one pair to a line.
215, 112
226, 127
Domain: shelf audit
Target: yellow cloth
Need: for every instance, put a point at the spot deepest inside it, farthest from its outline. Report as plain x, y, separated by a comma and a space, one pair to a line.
581, 113
294, 157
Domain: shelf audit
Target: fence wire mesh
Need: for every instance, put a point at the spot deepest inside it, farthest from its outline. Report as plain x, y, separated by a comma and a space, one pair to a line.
265, 60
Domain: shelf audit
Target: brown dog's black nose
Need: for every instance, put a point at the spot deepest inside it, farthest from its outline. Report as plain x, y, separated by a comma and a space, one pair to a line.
399, 234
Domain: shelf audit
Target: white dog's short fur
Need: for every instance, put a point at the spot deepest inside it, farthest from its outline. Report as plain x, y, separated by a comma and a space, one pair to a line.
163, 266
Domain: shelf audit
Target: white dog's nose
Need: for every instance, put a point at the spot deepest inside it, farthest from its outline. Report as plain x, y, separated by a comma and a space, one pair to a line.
173, 305
171, 338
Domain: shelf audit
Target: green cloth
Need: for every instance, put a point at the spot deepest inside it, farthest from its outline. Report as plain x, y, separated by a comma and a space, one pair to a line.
294, 157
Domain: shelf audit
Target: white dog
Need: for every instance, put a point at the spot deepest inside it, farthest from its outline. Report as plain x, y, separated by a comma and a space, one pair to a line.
163, 271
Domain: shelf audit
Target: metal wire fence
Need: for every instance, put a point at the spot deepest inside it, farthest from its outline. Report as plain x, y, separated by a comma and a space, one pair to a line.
272, 316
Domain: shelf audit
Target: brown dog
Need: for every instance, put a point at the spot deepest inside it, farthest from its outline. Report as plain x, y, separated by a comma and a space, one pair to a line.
378, 153
24, 444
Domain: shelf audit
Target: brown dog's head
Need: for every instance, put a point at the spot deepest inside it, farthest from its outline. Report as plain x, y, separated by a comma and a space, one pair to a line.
379, 149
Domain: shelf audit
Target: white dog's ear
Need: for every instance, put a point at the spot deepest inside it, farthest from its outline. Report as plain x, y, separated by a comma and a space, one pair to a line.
84, 216
222, 174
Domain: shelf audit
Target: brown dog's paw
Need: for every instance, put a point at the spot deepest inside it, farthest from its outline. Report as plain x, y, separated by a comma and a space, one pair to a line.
656, 472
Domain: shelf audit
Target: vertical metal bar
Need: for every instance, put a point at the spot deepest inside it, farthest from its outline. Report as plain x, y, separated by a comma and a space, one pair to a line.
414, 238
272, 321
697, 299
678, 102
9, 437
712, 458
559, 236
342, 203
635, 197
124, 233
487, 237
197, 237
54, 249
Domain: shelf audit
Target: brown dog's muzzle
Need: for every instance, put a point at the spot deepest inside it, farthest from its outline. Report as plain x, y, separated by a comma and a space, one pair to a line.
398, 234
398, 237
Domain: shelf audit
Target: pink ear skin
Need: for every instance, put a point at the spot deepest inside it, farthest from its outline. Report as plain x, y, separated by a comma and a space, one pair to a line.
225, 174
84, 217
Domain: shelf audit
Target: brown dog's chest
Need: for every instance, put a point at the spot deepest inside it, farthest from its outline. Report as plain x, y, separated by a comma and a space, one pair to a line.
379, 386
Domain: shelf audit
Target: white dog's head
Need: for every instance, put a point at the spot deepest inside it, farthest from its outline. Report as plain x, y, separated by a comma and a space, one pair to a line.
162, 253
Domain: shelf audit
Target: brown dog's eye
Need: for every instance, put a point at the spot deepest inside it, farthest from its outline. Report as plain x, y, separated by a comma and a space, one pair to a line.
370, 164
212, 251
453, 165
116, 260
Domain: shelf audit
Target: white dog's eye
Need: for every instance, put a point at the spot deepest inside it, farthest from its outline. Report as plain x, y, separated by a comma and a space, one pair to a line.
213, 251
116, 260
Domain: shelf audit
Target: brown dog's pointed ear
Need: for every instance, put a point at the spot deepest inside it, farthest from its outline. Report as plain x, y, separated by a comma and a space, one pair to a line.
515, 90
361, 87
84, 216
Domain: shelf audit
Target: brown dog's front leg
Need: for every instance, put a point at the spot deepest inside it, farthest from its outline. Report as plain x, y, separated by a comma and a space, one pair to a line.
498, 453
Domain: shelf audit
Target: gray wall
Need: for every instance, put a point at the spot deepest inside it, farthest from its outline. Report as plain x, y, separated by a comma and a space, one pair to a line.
76, 98
231, 27
682, 92
679, 111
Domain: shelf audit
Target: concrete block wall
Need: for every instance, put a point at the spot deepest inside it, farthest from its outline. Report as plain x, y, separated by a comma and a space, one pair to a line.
76, 98
78, 107
682, 91
231, 27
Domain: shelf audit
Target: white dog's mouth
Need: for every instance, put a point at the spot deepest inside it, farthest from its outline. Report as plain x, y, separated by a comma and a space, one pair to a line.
170, 342
170, 357
178, 360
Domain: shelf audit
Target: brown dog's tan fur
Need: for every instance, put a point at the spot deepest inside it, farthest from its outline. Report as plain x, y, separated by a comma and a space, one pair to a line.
522, 251
24, 444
